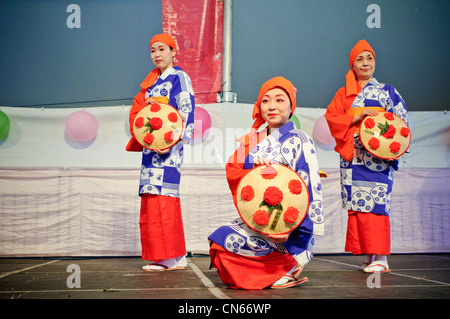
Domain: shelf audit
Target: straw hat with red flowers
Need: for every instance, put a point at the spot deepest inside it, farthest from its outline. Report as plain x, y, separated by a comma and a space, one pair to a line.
158, 126
272, 199
385, 135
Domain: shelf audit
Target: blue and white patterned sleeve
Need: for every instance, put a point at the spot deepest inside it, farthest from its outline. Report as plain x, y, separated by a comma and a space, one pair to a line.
308, 163
182, 95
397, 105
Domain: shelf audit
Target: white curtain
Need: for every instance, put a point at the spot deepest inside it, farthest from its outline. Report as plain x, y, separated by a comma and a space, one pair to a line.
61, 198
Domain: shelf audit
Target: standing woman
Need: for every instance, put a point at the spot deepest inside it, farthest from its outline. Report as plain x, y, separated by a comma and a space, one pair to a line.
368, 229
244, 258
161, 224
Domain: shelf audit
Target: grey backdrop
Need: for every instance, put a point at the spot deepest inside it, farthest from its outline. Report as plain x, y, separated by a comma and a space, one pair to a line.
43, 62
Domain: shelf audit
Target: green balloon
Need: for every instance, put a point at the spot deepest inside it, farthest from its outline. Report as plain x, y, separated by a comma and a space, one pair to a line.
4, 125
295, 120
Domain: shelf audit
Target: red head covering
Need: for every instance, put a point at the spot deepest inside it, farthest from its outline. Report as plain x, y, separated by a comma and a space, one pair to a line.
164, 38
153, 76
277, 82
351, 81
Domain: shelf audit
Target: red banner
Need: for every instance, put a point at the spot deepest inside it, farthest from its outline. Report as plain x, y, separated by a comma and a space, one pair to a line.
197, 27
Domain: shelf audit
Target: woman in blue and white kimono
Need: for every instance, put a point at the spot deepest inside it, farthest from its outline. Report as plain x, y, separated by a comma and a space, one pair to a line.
161, 225
244, 258
366, 180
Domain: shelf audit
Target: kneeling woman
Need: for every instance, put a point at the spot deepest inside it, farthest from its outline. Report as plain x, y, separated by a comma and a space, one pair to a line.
244, 258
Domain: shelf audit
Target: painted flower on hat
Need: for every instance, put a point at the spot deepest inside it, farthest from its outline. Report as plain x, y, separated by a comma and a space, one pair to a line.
261, 217
168, 137
148, 139
394, 147
369, 123
273, 196
374, 143
268, 172
139, 122
247, 193
390, 132
291, 215
272, 199
387, 130
172, 117
155, 107
155, 123
389, 116
404, 131
295, 186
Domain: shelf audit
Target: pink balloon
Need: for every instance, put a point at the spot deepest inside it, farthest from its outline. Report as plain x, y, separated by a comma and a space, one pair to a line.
81, 126
321, 132
202, 123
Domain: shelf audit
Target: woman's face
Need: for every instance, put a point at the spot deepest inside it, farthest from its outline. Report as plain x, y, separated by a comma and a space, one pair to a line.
275, 107
364, 66
162, 55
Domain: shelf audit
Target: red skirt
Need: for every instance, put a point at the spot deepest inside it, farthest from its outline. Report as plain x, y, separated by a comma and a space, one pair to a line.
245, 272
161, 224
368, 234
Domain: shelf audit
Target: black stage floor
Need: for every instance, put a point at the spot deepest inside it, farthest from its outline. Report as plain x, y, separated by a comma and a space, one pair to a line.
413, 276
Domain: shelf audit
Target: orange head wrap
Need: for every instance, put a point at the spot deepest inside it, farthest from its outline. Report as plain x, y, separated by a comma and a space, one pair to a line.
351, 81
164, 38
277, 82
153, 76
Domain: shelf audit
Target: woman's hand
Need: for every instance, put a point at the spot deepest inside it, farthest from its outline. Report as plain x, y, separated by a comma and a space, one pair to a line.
162, 152
149, 101
262, 161
279, 239
364, 113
